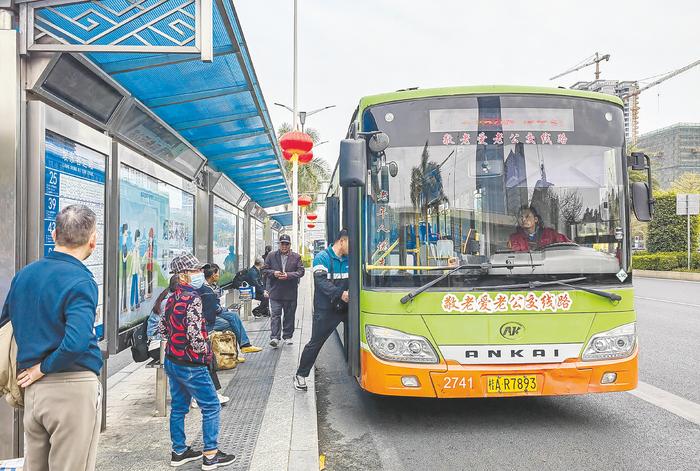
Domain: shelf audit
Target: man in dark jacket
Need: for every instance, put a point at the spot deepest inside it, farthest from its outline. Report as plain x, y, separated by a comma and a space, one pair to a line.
330, 269
51, 305
254, 277
283, 269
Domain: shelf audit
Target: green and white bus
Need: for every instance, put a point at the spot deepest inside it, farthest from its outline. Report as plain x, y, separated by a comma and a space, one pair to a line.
489, 248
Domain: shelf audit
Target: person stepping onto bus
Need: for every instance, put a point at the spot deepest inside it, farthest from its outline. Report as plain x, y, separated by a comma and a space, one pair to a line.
187, 356
531, 234
331, 298
283, 269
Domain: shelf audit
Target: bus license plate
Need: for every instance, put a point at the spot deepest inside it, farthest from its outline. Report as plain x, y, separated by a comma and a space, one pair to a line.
512, 384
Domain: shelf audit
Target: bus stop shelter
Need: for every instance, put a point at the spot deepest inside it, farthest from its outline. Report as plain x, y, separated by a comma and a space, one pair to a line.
149, 112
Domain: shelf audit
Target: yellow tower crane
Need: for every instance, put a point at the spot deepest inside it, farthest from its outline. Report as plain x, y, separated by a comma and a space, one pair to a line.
594, 59
633, 98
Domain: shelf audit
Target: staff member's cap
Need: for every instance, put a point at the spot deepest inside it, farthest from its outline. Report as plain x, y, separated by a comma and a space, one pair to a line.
284, 238
185, 262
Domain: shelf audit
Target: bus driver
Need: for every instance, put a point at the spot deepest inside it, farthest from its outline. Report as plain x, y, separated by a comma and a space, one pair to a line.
531, 233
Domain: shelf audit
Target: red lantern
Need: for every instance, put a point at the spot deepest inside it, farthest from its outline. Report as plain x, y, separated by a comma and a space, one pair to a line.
304, 200
311, 216
311, 225
296, 142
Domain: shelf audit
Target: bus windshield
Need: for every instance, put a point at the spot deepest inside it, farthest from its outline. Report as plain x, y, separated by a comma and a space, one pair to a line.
532, 181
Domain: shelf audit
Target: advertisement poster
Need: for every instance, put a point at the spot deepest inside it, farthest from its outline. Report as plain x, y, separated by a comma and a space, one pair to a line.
74, 174
225, 247
155, 225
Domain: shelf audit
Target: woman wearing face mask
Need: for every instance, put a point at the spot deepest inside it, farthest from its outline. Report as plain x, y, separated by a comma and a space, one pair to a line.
187, 357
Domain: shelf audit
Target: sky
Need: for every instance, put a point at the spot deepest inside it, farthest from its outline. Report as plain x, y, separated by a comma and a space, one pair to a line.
354, 48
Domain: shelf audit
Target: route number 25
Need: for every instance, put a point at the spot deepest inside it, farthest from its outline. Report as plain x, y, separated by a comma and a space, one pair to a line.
456, 382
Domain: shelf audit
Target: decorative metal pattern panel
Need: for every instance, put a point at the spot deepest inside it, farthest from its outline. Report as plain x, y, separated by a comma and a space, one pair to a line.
138, 25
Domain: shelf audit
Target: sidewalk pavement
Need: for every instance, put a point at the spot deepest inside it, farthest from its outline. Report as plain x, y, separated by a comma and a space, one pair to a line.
267, 424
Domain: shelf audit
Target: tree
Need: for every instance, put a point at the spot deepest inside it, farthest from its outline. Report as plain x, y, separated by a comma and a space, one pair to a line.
687, 183
667, 231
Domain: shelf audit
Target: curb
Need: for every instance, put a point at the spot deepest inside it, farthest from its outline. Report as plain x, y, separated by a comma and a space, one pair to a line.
288, 438
667, 275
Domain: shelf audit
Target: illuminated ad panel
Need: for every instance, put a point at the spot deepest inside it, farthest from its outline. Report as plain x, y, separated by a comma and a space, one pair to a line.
225, 246
155, 225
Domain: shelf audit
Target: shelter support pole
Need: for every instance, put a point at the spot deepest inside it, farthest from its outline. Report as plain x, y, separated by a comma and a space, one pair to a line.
295, 200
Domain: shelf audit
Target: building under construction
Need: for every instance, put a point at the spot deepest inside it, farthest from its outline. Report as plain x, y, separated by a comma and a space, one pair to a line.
622, 89
674, 150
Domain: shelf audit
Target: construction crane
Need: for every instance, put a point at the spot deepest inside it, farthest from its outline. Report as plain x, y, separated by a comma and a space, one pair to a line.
594, 59
633, 98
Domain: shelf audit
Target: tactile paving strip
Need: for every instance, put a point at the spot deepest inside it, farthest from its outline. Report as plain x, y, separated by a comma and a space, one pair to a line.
249, 390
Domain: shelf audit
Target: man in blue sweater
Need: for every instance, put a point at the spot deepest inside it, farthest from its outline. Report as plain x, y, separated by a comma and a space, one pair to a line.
51, 304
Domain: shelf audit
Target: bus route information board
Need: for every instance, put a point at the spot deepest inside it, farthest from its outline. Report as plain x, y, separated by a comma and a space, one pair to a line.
75, 174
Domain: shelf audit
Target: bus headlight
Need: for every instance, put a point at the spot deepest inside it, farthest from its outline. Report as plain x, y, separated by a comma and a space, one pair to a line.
394, 345
616, 343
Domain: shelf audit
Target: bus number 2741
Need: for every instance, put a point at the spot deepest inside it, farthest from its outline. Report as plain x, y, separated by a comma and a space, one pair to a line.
457, 382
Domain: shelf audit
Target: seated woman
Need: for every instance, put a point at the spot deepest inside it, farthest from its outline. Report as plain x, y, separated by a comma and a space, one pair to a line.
531, 234
217, 317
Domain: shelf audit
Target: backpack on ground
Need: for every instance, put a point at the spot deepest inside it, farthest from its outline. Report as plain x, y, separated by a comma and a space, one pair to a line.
225, 348
139, 343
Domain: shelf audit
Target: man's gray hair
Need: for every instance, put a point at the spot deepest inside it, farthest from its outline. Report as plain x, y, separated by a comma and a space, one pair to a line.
75, 225
259, 261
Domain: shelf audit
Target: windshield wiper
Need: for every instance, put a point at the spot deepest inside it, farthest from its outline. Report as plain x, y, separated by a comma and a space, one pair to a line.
480, 266
537, 284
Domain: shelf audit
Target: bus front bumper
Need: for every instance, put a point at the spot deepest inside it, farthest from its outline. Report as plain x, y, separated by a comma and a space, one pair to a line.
452, 380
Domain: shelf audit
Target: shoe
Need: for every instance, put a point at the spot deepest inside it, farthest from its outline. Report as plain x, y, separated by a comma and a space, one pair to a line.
194, 404
185, 457
218, 460
274, 343
300, 383
288, 342
223, 399
250, 349
240, 359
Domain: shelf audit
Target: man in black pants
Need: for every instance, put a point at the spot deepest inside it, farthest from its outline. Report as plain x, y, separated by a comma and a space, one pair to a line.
283, 269
330, 269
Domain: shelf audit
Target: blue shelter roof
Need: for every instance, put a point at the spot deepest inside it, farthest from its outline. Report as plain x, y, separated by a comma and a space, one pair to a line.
284, 218
218, 107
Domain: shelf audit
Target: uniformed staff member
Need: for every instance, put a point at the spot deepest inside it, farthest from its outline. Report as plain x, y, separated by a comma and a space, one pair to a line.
330, 270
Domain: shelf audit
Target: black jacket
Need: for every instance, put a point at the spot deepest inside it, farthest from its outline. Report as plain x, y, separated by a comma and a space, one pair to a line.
283, 290
254, 278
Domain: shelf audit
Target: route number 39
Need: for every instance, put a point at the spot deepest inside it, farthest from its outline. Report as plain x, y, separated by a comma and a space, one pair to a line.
456, 382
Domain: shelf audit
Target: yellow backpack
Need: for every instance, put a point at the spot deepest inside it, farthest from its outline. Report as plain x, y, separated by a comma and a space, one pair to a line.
225, 348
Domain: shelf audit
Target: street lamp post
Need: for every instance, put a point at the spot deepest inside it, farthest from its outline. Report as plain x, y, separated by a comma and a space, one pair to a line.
302, 115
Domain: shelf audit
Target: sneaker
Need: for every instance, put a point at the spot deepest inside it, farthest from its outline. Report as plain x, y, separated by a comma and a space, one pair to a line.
240, 359
288, 342
274, 343
185, 457
194, 404
300, 383
223, 399
218, 460
250, 349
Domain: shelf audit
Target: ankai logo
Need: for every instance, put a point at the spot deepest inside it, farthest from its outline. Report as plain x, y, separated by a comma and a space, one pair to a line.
512, 330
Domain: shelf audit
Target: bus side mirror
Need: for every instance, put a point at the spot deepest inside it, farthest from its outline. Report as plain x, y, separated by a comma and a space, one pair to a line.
642, 202
638, 161
353, 163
